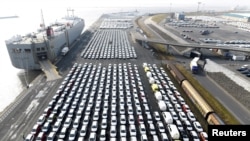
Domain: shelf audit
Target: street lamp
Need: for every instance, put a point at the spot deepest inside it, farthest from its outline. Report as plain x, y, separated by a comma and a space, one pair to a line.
170, 7
198, 6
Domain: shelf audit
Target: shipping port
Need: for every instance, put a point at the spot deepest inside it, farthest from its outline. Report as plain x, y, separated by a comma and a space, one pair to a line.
111, 88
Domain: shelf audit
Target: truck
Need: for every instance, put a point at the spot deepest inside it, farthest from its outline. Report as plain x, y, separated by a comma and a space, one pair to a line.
239, 57
65, 50
193, 53
194, 67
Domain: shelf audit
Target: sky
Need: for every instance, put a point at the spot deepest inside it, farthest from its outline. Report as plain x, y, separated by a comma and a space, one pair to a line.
17, 6
116, 3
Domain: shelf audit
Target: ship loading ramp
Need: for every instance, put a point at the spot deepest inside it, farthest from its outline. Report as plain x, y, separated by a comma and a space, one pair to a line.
49, 69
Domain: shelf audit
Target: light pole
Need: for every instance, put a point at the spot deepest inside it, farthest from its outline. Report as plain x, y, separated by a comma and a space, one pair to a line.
170, 7
198, 6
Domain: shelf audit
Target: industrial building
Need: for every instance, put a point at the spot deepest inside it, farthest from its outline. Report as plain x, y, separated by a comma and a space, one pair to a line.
180, 16
241, 17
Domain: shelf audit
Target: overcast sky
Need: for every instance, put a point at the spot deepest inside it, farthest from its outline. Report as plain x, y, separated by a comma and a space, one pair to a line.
118, 3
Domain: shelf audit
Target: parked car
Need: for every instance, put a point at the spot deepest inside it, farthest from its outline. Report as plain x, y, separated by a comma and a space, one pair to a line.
197, 126
191, 116
36, 129
123, 131
46, 127
203, 136
51, 136
30, 137
132, 130
41, 120
72, 134
112, 131
187, 125
41, 137
194, 136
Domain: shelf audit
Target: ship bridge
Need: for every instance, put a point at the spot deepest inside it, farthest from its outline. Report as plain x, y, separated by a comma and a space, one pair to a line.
49, 69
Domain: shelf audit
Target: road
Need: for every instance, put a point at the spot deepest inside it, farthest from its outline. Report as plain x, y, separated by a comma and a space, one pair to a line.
236, 108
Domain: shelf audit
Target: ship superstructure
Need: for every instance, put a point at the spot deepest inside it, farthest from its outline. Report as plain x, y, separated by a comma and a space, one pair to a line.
27, 52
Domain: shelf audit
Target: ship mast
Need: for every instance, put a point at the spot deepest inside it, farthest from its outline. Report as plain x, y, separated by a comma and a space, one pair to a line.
72, 10
43, 23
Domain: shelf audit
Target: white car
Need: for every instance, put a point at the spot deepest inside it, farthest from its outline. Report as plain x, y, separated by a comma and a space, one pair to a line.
123, 131
132, 130
157, 116
113, 120
179, 125
142, 129
112, 131
51, 136
72, 134
131, 119
103, 135
56, 126
86, 120
187, 125
67, 122
94, 126
174, 115
194, 136
123, 119
41, 120
104, 124
182, 116
96, 116
83, 130
161, 126
76, 123
191, 116
178, 107
197, 126
152, 129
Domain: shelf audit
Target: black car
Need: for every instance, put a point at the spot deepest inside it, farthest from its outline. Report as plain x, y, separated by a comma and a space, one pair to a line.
242, 69
248, 74
245, 71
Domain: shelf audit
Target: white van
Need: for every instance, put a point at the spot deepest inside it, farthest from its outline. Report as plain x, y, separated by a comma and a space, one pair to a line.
167, 117
173, 131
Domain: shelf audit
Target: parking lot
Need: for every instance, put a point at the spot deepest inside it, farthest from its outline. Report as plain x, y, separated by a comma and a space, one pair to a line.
109, 95
109, 44
95, 99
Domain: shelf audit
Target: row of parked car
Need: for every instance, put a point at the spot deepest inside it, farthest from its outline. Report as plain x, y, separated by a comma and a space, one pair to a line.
95, 102
110, 23
176, 113
109, 44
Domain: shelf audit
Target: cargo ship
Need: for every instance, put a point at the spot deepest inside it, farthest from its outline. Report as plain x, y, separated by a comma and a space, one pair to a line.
27, 52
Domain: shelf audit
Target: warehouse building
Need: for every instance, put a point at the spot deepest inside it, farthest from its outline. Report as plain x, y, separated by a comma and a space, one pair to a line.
180, 16
241, 17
